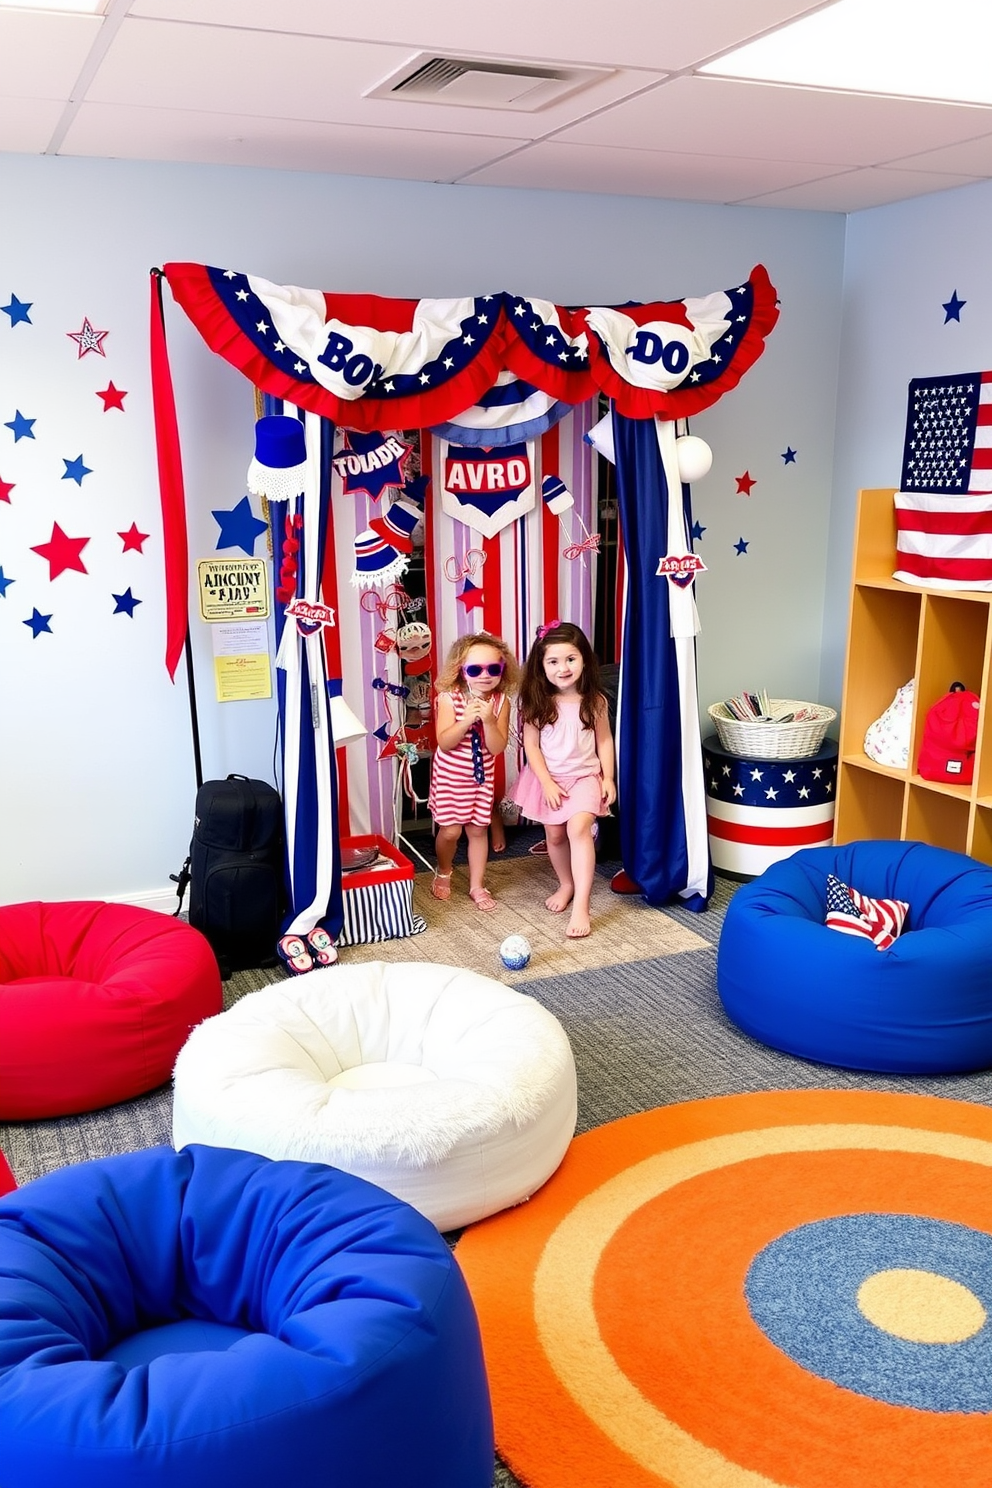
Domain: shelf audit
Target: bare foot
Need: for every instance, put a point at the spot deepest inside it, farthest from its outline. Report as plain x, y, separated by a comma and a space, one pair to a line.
497, 835
578, 926
559, 901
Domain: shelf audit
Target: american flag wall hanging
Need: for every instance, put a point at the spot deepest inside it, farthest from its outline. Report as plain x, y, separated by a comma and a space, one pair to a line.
944, 506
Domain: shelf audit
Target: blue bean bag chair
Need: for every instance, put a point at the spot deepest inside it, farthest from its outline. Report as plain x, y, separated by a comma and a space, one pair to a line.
924, 1006
207, 1317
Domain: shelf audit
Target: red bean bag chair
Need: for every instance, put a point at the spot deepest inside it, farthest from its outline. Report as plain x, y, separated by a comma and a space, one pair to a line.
96, 1000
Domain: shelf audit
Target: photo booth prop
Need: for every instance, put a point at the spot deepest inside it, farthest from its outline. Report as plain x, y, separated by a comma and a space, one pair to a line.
502, 390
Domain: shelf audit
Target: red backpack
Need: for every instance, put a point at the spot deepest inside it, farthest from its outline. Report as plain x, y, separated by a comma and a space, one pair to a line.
950, 732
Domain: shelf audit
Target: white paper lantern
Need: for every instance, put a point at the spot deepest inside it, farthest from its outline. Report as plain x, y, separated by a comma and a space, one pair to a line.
694, 456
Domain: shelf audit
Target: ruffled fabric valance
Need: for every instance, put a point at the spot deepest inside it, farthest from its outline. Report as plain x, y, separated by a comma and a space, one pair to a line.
484, 362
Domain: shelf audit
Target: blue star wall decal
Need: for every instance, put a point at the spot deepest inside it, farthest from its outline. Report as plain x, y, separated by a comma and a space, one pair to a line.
697, 531
5, 584
75, 469
18, 310
38, 623
789, 455
125, 604
740, 547
23, 428
239, 527
952, 308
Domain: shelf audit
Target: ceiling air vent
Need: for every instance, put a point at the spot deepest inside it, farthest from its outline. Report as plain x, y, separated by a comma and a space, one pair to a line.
471, 83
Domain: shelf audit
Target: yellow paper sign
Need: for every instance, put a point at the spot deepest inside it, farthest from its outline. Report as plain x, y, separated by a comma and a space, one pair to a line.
242, 669
233, 588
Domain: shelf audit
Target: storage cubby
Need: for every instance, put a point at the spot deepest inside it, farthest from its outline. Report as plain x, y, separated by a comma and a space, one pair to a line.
900, 632
873, 804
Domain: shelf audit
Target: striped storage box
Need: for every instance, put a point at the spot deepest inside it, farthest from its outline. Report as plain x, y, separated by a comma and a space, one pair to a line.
378, 900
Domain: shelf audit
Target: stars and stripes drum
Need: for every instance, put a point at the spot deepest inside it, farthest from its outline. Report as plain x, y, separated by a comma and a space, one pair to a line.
759, 811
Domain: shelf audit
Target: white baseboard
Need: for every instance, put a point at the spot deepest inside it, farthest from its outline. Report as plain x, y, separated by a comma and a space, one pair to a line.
163, 900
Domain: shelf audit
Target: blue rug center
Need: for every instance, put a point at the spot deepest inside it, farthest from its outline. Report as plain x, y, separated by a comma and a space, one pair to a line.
891, 1306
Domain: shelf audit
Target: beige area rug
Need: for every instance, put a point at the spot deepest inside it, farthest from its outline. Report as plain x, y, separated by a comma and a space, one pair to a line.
624, 928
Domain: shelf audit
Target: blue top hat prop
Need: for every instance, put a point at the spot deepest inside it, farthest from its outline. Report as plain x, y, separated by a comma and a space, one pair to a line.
279, 464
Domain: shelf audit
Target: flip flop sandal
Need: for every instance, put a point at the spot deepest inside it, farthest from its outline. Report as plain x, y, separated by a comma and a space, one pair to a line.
482, 899
322, 947
441, 886
293, 952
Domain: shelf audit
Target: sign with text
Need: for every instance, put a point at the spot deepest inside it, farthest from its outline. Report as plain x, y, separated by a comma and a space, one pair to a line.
233, 588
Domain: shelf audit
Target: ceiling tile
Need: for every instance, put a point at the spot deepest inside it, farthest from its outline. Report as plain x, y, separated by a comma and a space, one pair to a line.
658, 173
663, 35
717, 117
284, 144
167, 64
41, 55
27, 125
970, 158
855, 190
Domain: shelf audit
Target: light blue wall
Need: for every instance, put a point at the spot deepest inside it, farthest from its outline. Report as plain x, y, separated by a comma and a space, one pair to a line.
902, 264
95, 759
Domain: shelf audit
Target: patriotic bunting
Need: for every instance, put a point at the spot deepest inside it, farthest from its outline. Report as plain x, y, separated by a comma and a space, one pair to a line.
370, 363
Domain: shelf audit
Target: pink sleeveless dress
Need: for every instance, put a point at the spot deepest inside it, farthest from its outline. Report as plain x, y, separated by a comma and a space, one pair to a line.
569, 750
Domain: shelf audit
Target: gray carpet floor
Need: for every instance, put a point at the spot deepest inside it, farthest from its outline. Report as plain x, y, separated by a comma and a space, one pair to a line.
645, 1034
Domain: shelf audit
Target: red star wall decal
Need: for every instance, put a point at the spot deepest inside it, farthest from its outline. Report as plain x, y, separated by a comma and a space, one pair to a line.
112, 397
87, 339
62, 552
133, 539
744, 483
5, 489
471, 596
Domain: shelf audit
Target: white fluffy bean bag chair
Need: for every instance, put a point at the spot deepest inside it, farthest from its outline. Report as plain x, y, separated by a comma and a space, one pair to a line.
449, 1090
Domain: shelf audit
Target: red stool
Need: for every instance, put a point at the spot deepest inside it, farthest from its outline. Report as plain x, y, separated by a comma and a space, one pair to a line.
96, 1000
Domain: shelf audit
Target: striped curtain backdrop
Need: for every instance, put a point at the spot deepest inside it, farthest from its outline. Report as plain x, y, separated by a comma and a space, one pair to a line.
526, 577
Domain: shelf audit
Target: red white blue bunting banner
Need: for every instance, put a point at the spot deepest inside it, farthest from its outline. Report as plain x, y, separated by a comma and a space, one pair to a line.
371, 363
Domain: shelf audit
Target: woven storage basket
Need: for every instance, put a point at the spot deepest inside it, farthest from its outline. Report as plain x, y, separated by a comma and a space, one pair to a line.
767, 741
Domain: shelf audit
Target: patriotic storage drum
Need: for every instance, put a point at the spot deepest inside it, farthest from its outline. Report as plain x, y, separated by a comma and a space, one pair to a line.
759, 811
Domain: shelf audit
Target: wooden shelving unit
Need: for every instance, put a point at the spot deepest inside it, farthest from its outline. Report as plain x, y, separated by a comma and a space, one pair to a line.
896, 632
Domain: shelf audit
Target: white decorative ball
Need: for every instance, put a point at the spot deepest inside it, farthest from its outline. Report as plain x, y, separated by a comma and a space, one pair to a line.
515, 952
694, 456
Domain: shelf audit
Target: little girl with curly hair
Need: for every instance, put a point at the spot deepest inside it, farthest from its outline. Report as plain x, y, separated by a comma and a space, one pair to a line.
473, 723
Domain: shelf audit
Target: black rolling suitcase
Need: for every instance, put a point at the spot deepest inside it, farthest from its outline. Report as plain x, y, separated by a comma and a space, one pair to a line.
235, 871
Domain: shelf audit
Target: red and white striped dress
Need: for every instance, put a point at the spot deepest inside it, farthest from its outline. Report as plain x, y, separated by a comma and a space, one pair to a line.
456, 799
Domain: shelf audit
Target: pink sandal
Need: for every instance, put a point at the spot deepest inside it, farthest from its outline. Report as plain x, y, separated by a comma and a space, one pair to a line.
441, 886
482, 899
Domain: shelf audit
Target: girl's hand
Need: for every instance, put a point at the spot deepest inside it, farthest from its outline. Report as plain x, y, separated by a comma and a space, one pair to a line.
484, 710
554, 795
609, 792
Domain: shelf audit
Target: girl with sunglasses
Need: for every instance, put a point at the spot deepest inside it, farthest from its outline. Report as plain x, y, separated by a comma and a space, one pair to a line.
568, 779
473, 724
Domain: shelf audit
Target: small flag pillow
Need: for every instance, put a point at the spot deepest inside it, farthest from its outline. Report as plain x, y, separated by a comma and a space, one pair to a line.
877, 920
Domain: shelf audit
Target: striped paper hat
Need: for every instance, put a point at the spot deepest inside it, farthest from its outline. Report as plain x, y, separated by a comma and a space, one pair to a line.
557, 497
376, 561
279, 463
396, 525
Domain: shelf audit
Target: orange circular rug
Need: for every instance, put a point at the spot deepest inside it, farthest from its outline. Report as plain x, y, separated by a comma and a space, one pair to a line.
791, 1288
